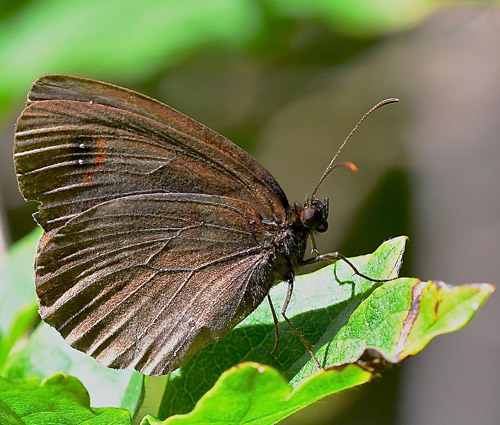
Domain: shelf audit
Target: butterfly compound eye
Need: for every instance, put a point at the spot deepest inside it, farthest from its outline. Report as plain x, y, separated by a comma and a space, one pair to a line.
313, 217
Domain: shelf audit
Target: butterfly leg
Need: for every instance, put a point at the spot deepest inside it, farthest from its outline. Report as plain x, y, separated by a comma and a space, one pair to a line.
333, 257
276, 329
297, 332
314, 248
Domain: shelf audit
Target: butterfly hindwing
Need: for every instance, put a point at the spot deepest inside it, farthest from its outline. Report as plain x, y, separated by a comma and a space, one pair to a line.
172, 274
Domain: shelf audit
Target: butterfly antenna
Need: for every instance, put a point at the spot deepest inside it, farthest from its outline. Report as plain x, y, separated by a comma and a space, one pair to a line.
350, 165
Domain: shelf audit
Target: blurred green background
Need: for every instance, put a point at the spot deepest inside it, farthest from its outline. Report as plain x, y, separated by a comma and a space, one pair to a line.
287, 80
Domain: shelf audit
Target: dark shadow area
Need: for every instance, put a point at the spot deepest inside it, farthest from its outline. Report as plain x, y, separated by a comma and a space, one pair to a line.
385, 213
20, 220
11, 8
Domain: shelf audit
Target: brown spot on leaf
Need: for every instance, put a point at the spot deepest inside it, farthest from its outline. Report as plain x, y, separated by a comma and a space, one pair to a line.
373, 361
416, 297
436, 307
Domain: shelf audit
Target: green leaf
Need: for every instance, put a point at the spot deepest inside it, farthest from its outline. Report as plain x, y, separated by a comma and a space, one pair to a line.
439, 308
258, 394
18, 307
58, 399
347, 319
46, 352
401, 317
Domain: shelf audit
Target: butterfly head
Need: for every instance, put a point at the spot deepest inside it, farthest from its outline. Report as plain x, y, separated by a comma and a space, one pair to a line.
314, 215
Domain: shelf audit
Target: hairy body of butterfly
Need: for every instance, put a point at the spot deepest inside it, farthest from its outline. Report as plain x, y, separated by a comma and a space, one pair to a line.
160, 235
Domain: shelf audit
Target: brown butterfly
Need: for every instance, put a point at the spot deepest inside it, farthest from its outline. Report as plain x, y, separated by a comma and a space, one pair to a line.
160, 235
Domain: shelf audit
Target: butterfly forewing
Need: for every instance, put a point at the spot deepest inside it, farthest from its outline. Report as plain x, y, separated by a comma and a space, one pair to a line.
81, 142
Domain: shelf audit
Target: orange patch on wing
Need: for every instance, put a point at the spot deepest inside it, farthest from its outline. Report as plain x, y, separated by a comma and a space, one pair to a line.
98, 161
87, 179
100, 156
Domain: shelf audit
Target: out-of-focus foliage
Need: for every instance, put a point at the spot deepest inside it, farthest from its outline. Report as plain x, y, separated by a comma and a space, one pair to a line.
131, 39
